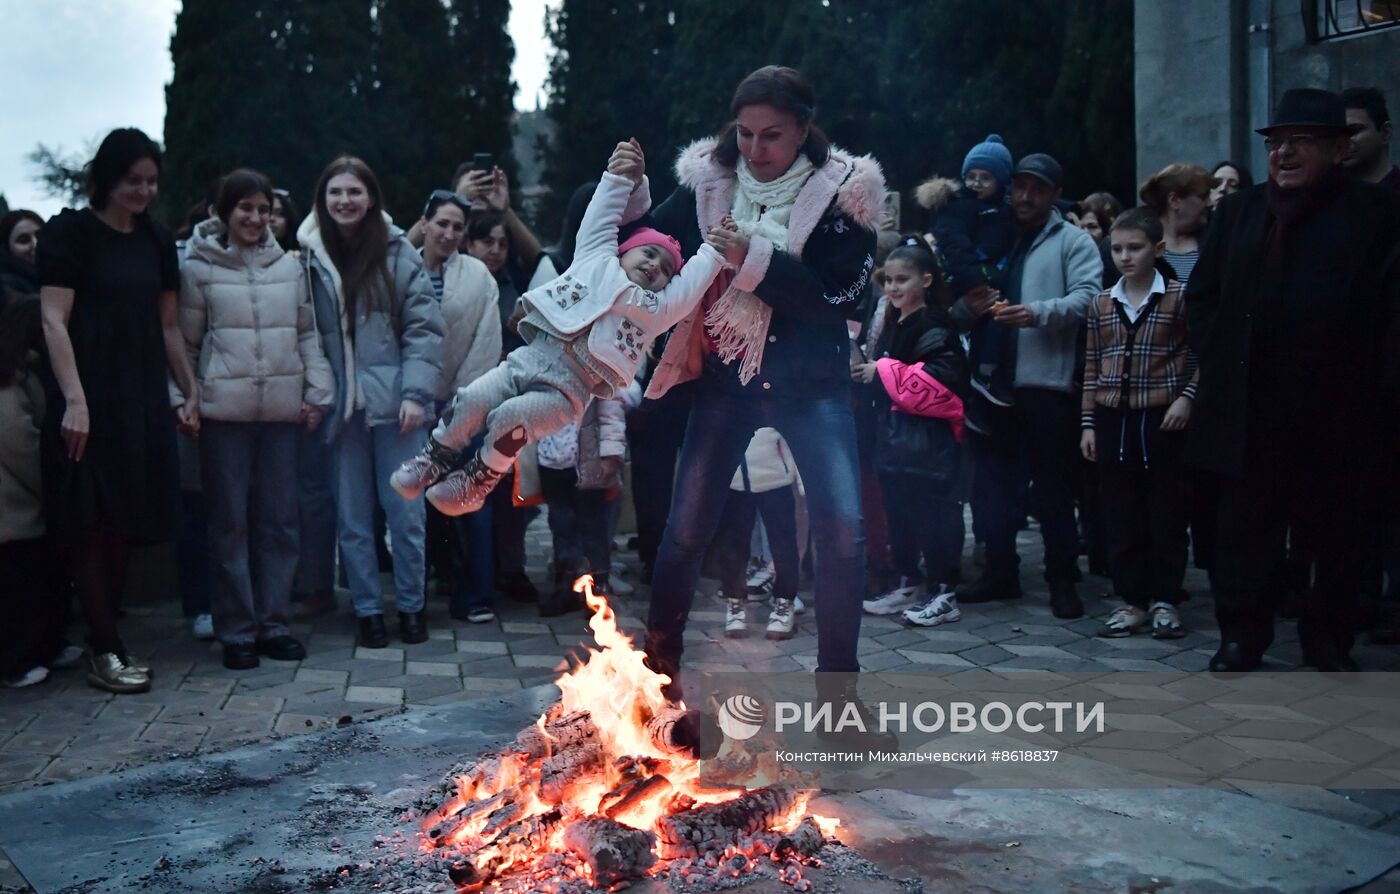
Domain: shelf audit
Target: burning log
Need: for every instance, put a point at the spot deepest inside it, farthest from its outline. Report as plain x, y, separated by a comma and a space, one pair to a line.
684, 733
564, 769
690, 832
632, 794
522, 839
614, 852
562, 732
446, 829
804, 841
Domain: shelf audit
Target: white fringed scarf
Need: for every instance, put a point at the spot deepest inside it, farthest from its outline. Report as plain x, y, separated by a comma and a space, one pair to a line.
738, 321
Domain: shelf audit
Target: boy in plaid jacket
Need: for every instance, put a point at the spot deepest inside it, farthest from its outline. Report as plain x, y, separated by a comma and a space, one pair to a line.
1139, 382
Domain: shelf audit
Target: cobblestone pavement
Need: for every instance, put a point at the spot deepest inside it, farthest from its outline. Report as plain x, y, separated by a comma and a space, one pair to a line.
64, 729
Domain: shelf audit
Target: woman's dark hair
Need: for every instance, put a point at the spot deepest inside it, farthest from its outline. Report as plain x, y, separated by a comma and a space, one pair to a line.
11, 220
786, 90
236, 187
483, 222
20, 332
1104, 206
119, 150
1246, 178
293, 215
363, 255
914, 251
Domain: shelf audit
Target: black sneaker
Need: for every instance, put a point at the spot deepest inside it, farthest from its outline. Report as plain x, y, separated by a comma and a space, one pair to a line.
994, 390
992, 586
1064, 600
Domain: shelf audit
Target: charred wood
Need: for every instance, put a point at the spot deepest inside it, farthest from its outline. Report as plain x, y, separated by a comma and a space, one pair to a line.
614, 852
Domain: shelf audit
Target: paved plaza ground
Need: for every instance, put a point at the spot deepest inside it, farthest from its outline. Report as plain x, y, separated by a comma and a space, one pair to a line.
64, 729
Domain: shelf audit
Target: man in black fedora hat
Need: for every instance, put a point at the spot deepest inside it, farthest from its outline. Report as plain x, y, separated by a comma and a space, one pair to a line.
1288, 308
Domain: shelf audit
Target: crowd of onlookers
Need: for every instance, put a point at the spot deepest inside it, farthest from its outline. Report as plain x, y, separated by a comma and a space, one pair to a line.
1211, 373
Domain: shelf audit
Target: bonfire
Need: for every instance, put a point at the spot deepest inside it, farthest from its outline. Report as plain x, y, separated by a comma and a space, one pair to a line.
606, 788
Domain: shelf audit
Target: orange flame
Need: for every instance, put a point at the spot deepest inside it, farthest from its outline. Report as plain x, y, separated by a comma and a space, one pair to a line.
620, 695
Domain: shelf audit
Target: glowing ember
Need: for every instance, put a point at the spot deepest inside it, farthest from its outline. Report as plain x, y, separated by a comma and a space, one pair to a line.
605, 787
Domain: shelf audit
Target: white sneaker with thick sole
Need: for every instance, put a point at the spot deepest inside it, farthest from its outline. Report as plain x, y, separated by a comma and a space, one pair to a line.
203, 627
735, 618
895, 601
782, 620
934, 609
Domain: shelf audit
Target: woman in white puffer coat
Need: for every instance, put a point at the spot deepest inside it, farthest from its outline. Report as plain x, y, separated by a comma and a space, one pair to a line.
251, 333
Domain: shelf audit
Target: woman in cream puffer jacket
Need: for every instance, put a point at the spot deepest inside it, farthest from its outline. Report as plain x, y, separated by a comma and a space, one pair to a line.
251, 333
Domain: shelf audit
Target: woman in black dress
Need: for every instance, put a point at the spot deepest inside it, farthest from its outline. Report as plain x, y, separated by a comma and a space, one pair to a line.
110, 279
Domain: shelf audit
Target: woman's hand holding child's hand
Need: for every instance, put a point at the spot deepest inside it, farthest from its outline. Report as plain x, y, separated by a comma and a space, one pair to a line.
863, 373
1178, 414
628, 161
728, 241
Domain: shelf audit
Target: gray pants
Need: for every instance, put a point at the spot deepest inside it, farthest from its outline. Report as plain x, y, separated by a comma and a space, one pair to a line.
250, 489
540, 388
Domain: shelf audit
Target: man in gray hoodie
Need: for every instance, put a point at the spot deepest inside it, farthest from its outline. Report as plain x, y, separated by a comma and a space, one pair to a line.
1050, 277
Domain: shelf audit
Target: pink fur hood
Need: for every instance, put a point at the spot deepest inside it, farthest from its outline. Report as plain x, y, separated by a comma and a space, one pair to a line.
856, 182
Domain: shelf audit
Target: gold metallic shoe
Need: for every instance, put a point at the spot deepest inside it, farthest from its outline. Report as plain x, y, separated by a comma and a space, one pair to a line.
108, 671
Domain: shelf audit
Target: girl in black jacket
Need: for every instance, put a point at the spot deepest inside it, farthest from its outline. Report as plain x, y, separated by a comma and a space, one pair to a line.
917, 456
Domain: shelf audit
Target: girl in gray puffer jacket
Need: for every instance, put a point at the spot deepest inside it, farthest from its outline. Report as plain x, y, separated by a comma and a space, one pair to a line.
251, 335
382, 330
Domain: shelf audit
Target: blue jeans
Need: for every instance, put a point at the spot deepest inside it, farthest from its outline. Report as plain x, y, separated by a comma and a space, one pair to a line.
821, 433
364, 457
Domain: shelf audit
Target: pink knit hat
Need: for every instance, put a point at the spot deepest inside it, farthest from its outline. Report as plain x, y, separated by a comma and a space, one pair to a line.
648, 236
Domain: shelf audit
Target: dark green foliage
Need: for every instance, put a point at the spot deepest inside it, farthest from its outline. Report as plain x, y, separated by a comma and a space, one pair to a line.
410, 86
916, 84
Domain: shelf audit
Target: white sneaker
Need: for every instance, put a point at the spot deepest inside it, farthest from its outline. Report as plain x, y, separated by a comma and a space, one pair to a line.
735, 618
68, 657
31, 677
934, 609
902, 596
798, 606
203, 626
782, 620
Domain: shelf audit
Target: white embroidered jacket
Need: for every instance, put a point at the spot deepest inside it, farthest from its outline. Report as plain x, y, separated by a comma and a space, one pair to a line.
594, 296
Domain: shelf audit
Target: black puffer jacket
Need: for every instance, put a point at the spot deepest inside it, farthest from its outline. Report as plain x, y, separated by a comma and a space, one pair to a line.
929, 337
973, 235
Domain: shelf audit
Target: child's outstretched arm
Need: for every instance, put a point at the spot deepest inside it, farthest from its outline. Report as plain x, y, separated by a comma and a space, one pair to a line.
684, 291
598, 230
